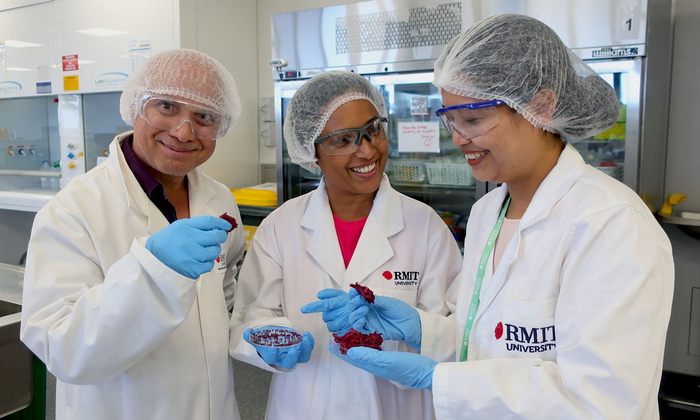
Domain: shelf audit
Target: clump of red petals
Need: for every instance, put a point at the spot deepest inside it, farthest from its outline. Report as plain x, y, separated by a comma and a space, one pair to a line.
354, 338
231, 220
364, 291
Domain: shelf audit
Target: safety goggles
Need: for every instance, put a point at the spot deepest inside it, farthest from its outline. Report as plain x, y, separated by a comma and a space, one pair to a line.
470, 120
167, 113
343, 142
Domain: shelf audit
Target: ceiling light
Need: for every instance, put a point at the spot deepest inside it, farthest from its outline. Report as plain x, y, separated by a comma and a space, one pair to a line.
20, 44
102, 32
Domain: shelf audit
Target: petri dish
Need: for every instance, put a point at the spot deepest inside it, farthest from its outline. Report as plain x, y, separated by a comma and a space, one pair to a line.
277, 336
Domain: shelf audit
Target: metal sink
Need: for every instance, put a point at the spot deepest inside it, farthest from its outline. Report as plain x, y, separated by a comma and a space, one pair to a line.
15, 358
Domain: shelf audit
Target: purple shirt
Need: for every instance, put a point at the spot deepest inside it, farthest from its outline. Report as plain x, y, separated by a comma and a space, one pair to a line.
153, 189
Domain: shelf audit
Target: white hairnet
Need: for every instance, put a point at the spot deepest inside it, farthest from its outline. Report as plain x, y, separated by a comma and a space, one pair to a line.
512, 57
312, 106
186, 74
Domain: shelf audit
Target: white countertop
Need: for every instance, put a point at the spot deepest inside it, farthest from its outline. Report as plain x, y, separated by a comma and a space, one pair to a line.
26, 200
11, 280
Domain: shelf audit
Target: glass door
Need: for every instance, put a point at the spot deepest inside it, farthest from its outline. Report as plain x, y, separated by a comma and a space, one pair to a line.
292, 179
616, 151
423, 161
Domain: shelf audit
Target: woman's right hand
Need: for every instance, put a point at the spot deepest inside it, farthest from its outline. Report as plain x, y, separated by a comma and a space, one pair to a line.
332, 304
284, 357
393, 318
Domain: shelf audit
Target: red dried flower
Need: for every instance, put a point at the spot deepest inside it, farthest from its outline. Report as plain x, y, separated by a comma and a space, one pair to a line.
354, 338
365, 292
231, 220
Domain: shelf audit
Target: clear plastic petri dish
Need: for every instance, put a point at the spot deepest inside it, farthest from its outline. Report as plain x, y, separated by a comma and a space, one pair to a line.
277, 336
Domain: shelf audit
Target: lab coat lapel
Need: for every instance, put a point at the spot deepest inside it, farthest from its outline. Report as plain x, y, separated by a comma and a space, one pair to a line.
373, 249
136, 198
200, 195
323, 246
569, 168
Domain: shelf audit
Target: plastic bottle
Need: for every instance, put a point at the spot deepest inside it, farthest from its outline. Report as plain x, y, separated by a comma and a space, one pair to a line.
45, 181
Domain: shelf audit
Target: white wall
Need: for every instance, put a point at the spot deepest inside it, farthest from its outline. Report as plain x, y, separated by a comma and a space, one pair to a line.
226, 30
267, 8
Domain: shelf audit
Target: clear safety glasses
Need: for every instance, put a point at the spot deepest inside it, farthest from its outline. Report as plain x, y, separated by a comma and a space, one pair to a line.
343, 142
167, 113
470, 120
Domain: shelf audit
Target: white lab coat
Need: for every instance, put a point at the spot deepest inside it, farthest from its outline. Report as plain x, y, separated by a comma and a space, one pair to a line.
295, 254
126, 336
582, 296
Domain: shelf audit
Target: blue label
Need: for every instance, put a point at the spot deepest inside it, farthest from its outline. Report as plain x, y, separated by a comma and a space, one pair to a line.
43, 87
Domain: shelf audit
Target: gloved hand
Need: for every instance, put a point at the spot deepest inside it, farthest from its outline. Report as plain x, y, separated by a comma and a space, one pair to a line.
333, 304
190, 246
286, 357
393, 318
408, 369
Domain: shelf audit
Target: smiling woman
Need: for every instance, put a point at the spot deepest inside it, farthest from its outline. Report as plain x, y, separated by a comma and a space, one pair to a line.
351, 230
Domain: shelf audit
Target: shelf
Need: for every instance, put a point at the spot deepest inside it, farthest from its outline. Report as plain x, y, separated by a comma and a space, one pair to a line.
42, 174
26, 200
259, 211
678, 220
398, 185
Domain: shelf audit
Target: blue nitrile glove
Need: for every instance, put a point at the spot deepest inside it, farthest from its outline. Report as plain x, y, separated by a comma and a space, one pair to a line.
333, 305
393, 318
408, 369
286, 357
190, 246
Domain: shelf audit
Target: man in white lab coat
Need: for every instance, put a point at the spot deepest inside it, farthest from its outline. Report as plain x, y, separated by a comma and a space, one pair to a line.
130, 271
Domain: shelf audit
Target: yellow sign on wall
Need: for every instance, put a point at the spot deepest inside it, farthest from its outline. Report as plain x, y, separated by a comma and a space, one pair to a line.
71, 83
249, 232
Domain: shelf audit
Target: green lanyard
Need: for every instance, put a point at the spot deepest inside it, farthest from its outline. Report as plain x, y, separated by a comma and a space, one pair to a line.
479, 278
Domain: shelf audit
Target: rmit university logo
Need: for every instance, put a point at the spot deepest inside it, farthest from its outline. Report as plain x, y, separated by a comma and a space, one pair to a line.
402, 278
527, 340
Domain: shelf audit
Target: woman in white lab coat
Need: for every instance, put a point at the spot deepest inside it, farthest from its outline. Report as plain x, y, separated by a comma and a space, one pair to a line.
355, 228
564, 313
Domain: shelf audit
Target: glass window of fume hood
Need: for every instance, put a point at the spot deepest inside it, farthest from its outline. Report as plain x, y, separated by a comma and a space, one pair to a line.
442, 178
102, 122
28, 137
606, 151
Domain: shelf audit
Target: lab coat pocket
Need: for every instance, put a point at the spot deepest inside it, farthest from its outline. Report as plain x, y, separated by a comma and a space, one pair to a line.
526, 329
525, 309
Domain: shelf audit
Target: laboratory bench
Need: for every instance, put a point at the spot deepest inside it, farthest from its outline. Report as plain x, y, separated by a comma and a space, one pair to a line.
23, 388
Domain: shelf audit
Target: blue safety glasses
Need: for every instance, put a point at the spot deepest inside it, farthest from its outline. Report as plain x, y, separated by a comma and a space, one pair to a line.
470, 120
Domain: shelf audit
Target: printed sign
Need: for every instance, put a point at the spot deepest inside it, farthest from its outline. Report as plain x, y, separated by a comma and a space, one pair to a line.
70, 62
43, 87
419, 105
71, 83
138, 51
42, 73
419, 137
